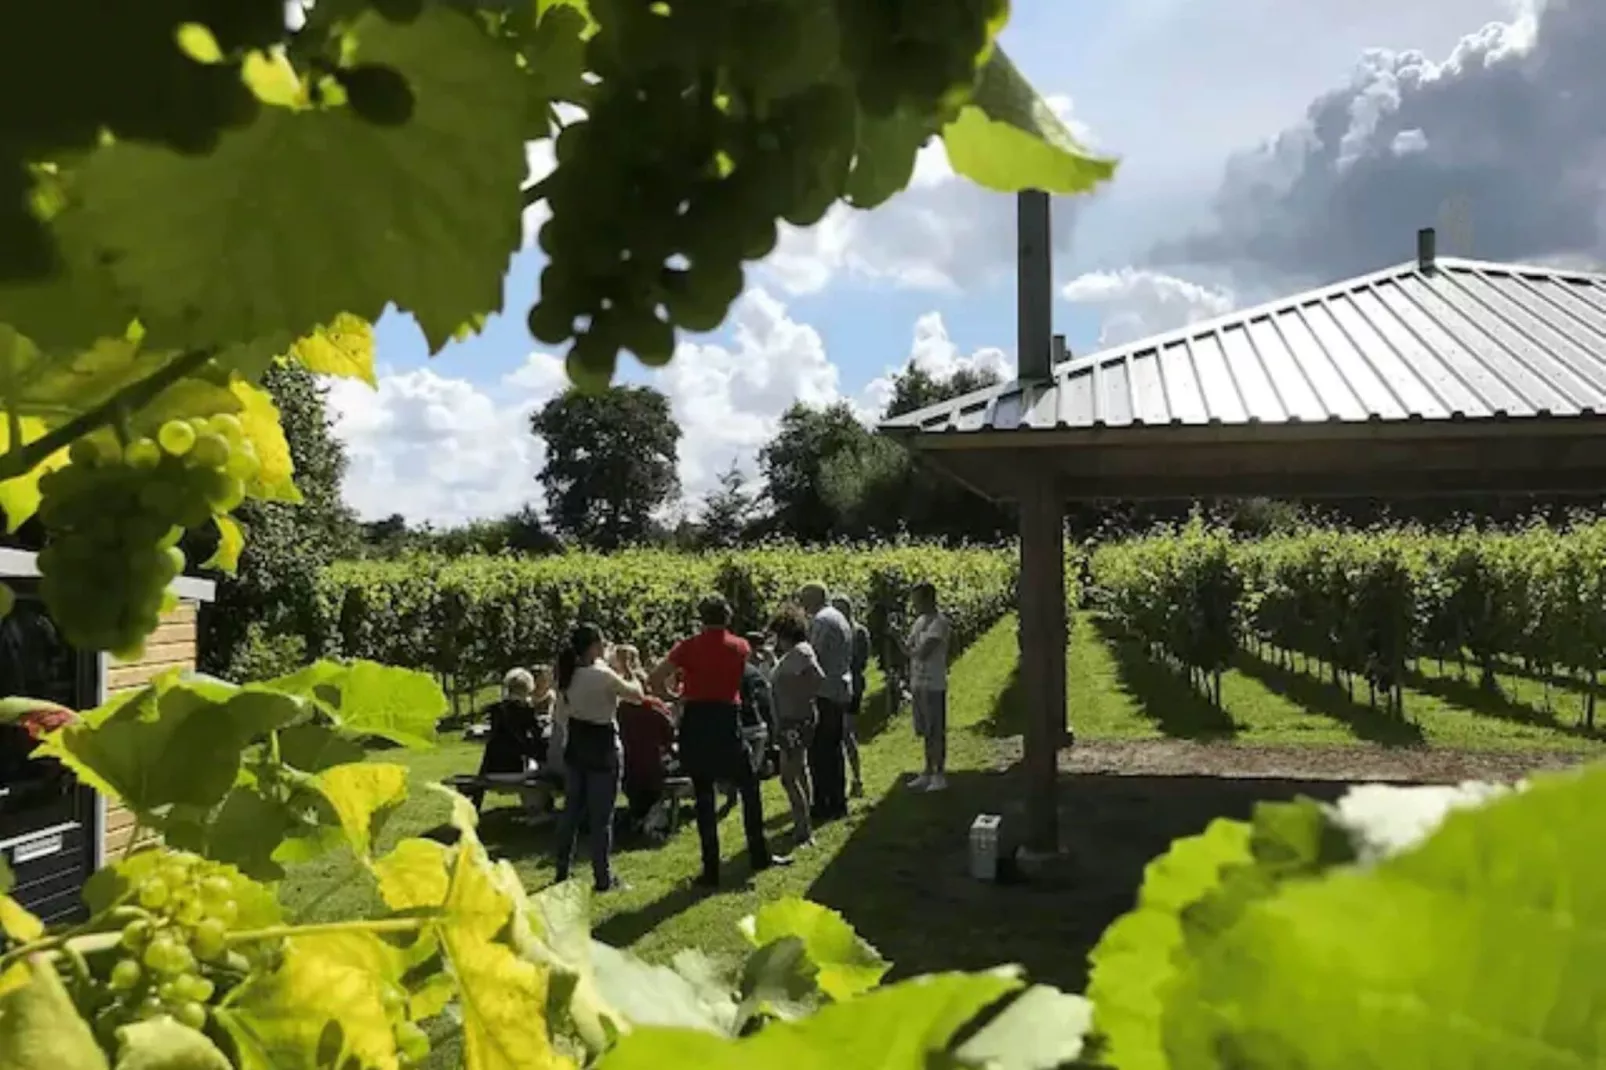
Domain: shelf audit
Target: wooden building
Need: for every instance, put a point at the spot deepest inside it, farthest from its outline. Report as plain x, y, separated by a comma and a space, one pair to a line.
53, 831
1436, 377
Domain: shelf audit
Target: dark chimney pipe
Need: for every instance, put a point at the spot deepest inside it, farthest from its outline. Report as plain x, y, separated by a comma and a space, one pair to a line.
1034, 309
1427, 248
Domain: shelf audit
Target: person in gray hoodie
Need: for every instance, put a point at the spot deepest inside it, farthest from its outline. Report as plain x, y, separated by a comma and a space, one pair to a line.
795, 683
831, 636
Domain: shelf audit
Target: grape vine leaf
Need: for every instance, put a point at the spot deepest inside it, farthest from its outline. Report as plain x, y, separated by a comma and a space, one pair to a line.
259, 420
363, 794
343, 348
906, 1026
778, 980
20, 497
283, 1018
884, 161
1476, 948
18, 923
413, 875
847, 965
230, 542
175, 742
40, 1029
216, 249
163, 1044
1009, 139
1132, 964
312, 748
56, 387
1041, 1028
366, 698
77, 304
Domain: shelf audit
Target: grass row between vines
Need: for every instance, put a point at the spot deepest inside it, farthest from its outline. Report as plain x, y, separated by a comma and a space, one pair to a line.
1368, 607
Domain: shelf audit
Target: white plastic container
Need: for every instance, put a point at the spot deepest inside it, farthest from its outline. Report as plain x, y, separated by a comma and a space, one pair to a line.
984, 847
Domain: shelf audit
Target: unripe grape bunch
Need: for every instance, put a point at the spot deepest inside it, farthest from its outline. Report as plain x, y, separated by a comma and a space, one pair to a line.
173, 956
703, 134
114, 516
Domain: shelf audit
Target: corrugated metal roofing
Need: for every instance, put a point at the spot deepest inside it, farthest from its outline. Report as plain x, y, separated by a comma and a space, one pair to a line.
1462, 340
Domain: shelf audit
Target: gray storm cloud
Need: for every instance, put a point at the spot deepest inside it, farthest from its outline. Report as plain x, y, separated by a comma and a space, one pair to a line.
1504, 142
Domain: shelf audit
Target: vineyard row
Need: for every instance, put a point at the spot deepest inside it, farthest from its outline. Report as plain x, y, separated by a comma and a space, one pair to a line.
469, 619
1365, 604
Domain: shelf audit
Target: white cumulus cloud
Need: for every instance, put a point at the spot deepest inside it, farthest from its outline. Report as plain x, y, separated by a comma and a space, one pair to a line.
437, 448
1135, 303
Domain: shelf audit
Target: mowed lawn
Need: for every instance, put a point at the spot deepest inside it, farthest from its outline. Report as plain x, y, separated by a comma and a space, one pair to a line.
897, 867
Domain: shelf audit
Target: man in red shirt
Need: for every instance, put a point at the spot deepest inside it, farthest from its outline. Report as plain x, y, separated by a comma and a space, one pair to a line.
709, 666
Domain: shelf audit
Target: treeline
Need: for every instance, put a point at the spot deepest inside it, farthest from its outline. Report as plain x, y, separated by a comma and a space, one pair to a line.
1364, 606
470, 619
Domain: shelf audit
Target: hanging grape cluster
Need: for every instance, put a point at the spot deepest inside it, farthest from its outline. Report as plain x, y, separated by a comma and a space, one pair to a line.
688, 158
114, 516
173, 956
916, 55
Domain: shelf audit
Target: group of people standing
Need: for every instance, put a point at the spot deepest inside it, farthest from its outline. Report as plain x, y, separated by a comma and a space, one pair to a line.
719, 701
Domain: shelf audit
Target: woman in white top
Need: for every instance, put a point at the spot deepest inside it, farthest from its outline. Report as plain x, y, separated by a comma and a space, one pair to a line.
589, 693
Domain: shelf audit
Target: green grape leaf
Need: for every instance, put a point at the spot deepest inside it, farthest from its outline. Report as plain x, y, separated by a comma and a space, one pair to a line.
633, 994
19, 497
219, 247
312, 748
77, 305
163, 1044
40, 1029
847, 964
248, 831
1477, 948
344, 349
366, 698
18, 923
176, 742
259, 420
500, 994
885, 159
779, 980
1008, 139
279, 1020
363, 794
413, 875
230, 541
1040, 1029
906, 1026
1133, 962
554, 54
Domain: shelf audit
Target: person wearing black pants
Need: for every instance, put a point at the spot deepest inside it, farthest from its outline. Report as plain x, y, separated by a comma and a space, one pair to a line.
827, 766
832, 639
710, 666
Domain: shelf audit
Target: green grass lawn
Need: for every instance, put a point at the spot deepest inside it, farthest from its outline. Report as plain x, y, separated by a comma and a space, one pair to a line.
896, 868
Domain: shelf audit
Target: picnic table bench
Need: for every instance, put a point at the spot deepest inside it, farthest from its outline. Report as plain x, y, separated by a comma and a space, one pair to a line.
537, 793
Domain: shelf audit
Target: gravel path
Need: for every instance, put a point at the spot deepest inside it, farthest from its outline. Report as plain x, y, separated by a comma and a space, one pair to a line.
1361, 762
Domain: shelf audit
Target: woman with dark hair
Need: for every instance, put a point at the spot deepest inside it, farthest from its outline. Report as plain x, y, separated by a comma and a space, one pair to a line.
710, 665
589, 693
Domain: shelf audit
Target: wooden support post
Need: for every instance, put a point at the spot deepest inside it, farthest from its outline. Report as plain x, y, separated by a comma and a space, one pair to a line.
1042, 653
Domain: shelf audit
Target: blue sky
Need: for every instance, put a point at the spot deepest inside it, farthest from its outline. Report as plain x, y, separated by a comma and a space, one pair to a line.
1239, 124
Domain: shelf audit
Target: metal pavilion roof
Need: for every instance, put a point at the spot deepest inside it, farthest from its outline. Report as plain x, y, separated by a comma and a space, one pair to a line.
1452, 340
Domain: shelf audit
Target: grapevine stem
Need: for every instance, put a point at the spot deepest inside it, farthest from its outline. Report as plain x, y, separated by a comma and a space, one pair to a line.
279, 932
19, 460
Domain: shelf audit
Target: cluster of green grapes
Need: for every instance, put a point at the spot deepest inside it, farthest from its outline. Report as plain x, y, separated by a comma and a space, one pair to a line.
916, 55
172, 956
114, 516
685, 163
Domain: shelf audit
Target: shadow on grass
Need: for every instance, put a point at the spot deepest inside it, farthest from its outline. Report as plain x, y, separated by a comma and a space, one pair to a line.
902, 877
1166, 698
1373, 725
1489, 702
1008, 716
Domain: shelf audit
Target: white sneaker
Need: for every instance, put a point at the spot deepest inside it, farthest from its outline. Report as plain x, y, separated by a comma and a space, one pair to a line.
937, 783
919, 783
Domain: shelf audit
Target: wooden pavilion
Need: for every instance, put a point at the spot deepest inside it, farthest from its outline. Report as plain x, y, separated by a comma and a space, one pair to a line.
1436, 377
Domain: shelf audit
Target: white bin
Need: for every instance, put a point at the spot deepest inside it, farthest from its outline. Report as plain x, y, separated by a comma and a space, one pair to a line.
984, 847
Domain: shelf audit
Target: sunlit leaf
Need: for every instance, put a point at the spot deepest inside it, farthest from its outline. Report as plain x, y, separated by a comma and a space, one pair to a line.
1009, 139
163, 1044
344, 348
40, 1029
259, 418
362, 795
230, 541
847, 965
413, 874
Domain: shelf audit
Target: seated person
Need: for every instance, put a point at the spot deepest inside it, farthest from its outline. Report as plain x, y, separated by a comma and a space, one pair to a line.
514, 742
647, 736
